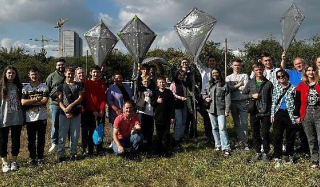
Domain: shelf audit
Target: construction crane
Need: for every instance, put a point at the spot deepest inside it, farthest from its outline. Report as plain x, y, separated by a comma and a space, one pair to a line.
59, 25
42, 40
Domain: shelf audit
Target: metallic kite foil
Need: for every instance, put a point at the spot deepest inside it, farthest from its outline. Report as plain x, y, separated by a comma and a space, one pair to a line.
194, 30
137, 37
101, 41
290, 23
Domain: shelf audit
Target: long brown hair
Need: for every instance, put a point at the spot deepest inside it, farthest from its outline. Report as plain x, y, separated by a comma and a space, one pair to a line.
4, 82
316, 74
221, 79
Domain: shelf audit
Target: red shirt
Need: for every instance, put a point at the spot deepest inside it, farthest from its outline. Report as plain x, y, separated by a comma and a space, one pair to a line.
95, 97
303, 88
125, 125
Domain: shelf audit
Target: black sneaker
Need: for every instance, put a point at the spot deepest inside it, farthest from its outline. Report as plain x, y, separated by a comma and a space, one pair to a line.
257, 157
73, 158
33, 163
62, 160
40, 161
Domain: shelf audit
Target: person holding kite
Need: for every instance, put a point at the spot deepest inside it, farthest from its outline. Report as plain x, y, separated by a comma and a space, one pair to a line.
179, 91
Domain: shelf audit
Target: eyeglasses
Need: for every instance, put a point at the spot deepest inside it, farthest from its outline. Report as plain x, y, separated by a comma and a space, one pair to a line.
281, 77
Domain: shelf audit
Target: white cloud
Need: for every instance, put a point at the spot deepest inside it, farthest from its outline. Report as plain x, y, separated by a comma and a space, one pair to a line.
168, 39
6, 42
108, 20
30, 48
46, 11
238, 21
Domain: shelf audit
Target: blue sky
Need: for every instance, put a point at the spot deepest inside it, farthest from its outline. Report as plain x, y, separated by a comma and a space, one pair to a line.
238, 20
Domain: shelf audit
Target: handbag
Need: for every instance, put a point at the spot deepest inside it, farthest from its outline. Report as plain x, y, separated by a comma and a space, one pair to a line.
98, 133
250, 106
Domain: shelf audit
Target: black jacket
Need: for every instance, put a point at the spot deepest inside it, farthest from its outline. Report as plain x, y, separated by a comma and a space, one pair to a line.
263, 104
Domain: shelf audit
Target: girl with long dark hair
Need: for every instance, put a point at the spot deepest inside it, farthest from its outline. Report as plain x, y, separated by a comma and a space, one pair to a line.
179, 91
11, 117
218, 95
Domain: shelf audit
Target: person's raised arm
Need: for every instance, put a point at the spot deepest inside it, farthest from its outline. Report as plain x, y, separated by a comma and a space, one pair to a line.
283, 60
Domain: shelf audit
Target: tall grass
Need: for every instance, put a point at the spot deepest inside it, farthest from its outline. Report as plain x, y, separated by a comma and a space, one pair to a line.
193, 164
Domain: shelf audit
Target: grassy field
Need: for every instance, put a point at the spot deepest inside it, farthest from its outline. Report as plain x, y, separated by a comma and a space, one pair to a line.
193, 164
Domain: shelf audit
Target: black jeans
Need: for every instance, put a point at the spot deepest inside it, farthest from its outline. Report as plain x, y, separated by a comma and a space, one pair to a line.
88, 125
191, 126
282, 122
206, 120
147, 127
15, 140
311, 125
304, 145
163, 137
263, 124
36, 133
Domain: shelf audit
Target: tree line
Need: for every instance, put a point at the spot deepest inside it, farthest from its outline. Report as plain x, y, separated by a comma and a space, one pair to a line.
308, 49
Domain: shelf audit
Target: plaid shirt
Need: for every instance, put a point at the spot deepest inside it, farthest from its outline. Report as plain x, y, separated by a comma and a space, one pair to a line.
290, 95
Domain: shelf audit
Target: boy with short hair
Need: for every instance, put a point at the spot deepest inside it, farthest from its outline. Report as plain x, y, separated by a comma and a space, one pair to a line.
70, 95
95, 100
34, 99
163, 105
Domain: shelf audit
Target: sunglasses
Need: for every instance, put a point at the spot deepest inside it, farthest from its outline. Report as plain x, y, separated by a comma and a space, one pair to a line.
281, 77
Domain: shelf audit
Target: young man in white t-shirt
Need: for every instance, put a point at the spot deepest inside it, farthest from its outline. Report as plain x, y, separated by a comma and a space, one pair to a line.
236, 82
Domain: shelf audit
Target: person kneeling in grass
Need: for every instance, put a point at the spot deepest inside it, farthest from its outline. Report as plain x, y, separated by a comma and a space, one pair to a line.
70, 95
127, 136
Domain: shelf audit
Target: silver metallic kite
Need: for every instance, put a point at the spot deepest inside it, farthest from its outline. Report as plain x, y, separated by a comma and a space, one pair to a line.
101, 41
290, 23
194, 30
137, 37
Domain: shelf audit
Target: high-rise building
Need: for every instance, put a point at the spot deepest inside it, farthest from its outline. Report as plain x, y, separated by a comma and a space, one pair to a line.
71, 43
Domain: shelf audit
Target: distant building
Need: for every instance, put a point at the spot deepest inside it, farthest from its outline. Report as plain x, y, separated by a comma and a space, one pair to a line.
239, 53
71, 43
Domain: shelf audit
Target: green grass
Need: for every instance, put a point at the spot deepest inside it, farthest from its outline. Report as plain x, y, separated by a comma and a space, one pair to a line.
194, 164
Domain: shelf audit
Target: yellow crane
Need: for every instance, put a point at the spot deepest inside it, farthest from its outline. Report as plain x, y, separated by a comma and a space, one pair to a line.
59, 25
42, 40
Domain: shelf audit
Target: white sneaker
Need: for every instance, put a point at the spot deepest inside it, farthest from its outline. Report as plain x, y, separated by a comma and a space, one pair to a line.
5, 167
53, 147
110, 146
14, 166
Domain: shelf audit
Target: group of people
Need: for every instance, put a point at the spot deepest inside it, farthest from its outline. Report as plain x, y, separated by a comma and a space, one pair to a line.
286, 99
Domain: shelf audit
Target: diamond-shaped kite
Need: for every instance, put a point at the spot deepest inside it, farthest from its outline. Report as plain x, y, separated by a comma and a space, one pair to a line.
101, 41
137, 37
290, 23
194, 30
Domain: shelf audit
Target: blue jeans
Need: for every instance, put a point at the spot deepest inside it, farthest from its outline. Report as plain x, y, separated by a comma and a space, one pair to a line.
219, 131
65, 124
55, 112
240, 117
181, 118
134, 141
